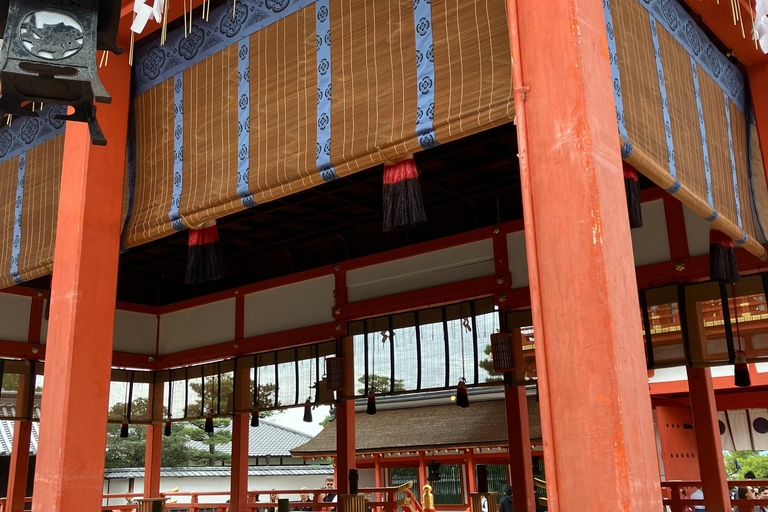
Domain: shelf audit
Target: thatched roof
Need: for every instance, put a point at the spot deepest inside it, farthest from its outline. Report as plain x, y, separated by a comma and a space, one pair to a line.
425, 428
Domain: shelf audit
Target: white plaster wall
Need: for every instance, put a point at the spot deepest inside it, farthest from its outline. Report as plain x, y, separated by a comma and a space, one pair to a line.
697, 230
518, 264
135, 332
289, 307
14, 317
220, 484
450, 265
650, 243
197, 327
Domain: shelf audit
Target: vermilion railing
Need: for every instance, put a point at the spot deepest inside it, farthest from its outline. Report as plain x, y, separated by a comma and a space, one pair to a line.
677, 493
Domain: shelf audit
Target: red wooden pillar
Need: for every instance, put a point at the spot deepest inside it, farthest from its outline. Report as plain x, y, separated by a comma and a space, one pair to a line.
239, 464
519, 435
422, 471
19, 466
713, 478
345, 424
593, 387
152, 460
69, 472
471, 473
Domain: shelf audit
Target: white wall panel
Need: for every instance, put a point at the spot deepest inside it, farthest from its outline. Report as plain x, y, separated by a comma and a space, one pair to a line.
14, 317
697, 230
289, 307
650, 243
135, 332
518, 264
197, 327
450, 265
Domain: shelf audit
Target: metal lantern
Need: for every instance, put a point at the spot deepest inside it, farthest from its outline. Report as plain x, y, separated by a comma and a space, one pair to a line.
49, 56
502, 350
334, 373
434, 471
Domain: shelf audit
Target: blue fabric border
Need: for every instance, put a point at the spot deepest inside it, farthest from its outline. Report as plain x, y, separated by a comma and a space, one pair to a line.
425, 73
671, 15
178, 151
130, 158
664, 101
703, 131
244, 124
16, 246
155, 63
733, 160
626, 150
323, 31
28, 132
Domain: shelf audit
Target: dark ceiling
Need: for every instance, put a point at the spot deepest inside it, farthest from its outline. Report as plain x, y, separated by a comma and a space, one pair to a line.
467, 184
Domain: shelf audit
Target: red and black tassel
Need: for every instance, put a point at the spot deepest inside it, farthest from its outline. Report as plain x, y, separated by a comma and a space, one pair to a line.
204, 262
632, 189
167, 428
209, 424
308, 411
403, 205
255, 418
722, 258
741, 376
124, 427
462, 397
371, 409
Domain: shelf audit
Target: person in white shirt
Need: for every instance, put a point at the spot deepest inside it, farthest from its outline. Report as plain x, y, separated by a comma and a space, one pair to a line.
698, 494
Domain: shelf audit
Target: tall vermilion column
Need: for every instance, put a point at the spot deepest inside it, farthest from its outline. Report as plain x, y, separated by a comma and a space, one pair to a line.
345, 423
73, 425
18, 467
153, 456
599, 445
714, 481
519, 436
239, 464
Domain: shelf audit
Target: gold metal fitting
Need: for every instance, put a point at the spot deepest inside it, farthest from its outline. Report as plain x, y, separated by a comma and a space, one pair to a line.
35, 350
496, 231
39, 294
500, 280
680, 266
336, 268
338, 327
237, 290
151, 358
502, 298
237, 344
337, 311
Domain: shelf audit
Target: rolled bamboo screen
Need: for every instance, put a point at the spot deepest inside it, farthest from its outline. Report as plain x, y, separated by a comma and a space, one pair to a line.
682, 109
251, 118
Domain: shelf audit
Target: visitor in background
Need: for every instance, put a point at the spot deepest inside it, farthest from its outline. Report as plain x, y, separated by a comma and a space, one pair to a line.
763, 495
273, 497
745, 493
506, 504
304, 498
698, 494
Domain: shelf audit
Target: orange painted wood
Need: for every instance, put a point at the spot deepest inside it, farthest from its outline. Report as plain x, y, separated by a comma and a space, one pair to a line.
471, 471
679, 454
593, 386
19, 467
422, 471
519, 435
239, 477
705, 423
153, 460
345, 423
35, 319
73, 425
676, 232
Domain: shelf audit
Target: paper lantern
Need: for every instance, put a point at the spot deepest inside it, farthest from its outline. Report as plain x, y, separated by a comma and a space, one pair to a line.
334, 372
501, 348
49, 56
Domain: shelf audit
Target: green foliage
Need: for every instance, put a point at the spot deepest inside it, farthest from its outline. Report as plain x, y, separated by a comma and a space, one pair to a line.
325, 420
380, 384
748, 461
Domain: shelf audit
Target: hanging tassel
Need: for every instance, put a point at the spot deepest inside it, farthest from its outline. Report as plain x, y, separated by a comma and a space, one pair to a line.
741, 376
462, 398
255, 419
632, 188
204, 262
124, 427
403, 205
722, 258
308, 411
209, 424
371, 403
168, 428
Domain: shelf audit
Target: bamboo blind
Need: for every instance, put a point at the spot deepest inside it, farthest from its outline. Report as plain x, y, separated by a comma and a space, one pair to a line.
659, 53
374, 105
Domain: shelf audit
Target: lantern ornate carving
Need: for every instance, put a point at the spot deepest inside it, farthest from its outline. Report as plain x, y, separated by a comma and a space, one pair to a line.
49, 56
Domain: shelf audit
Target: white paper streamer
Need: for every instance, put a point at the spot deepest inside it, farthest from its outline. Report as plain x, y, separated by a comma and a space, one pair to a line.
761, 24
143, 13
